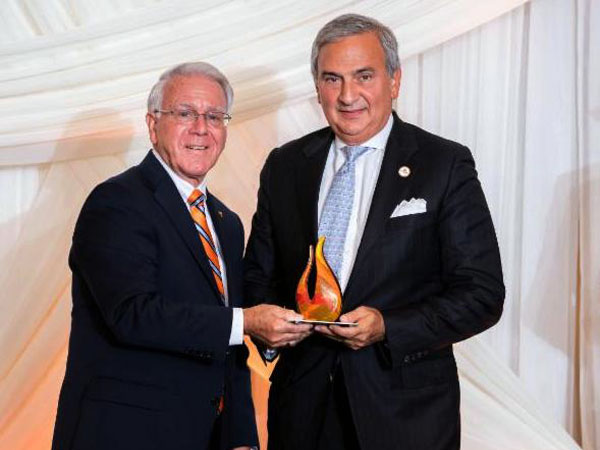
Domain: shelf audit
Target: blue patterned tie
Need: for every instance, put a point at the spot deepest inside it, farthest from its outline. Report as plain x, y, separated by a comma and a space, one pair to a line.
338, 208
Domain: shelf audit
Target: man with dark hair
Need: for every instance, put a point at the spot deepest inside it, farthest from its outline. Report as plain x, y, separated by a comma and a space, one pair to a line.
156, 356
411, 241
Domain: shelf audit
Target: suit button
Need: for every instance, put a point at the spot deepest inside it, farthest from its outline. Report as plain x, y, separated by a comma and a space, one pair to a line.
407, 359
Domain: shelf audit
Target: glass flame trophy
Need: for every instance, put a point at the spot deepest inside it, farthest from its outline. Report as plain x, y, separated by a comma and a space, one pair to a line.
326, 304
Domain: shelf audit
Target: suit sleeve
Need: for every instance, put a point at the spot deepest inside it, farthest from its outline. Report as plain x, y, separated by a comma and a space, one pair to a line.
115, 252
239, 419
260, 269
473, 293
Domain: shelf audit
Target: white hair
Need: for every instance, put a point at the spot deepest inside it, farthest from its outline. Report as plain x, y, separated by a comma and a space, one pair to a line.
155, 98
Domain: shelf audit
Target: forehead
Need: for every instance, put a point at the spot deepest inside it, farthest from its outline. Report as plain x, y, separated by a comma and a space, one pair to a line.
193, 90
352, 52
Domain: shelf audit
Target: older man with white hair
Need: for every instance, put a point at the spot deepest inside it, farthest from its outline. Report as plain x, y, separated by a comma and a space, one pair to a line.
156, 355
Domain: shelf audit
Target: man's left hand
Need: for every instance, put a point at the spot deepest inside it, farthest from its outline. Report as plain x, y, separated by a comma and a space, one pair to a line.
370, 328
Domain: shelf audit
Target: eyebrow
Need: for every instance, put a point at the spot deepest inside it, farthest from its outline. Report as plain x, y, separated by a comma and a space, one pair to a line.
329, 73
363, 70
356, 72
190, 106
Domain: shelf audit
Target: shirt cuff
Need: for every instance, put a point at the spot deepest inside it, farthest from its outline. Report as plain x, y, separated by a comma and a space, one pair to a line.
237, 327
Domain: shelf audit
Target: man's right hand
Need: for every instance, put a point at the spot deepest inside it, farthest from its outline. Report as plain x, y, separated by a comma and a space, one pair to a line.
273, 325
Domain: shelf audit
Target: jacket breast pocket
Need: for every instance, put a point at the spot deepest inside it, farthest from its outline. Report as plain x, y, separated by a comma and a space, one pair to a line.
411, 222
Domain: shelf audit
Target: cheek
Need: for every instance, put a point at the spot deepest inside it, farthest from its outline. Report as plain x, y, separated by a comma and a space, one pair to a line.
327, 97
219, 138
172, 137
330, 100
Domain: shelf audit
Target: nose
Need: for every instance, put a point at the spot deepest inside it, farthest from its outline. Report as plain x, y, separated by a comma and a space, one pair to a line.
199, 126
348, 93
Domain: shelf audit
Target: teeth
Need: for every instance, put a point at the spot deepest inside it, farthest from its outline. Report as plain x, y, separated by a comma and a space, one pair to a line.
197, 147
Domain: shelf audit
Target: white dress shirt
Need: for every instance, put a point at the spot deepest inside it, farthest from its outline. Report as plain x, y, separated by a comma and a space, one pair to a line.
367, 168
185, 189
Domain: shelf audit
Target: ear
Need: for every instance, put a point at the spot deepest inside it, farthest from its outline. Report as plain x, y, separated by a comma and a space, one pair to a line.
395, 83
151, 122
318, 93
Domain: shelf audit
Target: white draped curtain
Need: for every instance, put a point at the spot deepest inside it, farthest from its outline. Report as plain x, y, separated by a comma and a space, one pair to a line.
516, 81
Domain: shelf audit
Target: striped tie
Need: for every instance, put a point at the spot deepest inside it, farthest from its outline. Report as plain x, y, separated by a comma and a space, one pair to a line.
197, 204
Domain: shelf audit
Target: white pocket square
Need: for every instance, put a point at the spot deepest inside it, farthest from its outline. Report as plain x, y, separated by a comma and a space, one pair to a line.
413, 206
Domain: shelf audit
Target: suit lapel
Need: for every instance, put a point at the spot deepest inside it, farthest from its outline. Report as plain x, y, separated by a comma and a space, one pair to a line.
168, 198
399, 149
308, 182
221, 225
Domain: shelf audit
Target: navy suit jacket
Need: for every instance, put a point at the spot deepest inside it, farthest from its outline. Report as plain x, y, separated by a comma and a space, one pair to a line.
435, 277
148, 352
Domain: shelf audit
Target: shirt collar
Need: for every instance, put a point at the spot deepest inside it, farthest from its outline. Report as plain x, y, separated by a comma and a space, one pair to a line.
183, 187
378, 141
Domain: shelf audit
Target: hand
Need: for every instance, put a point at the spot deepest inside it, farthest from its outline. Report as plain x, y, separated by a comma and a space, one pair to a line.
245, 447
272, 325
370, 328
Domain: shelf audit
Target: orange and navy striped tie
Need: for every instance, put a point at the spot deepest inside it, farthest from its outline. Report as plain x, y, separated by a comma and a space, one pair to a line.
197, 202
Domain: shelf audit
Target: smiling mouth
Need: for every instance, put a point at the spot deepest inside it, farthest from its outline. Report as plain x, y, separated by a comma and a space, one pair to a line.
196, 147
351, 111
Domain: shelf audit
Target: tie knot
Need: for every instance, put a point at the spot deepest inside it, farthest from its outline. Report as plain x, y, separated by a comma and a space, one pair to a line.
195, 198
351, 152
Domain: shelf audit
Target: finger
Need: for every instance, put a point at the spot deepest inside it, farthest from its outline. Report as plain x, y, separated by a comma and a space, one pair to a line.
295, 336
290, 315
284, 326
328, 333
280, 343
345, 332
324, 330
352, 316
358, 314
279, 339
295, 322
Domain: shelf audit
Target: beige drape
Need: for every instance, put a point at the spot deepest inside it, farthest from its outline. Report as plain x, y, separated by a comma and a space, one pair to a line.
516, 81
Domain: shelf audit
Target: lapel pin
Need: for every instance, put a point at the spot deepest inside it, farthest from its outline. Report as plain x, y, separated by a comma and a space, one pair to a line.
404, 171
220, 213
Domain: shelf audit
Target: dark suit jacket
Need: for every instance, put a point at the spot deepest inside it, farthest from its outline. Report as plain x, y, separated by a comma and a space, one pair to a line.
148, 353
435, 277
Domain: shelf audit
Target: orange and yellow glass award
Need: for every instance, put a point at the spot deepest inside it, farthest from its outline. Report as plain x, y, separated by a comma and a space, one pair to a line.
326, 304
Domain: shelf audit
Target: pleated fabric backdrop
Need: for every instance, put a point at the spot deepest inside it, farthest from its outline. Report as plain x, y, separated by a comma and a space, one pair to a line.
516, 81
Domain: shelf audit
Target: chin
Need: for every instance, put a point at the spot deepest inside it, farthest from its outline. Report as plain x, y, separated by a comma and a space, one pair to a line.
350, 133
352, 126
